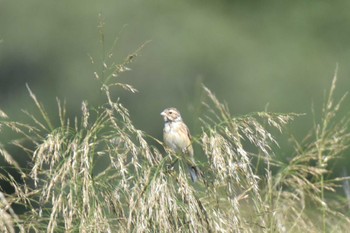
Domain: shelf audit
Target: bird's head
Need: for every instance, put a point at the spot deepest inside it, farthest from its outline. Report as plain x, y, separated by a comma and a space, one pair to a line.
171, 115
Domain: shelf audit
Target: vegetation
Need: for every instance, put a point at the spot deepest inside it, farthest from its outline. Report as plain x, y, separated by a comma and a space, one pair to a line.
134, 188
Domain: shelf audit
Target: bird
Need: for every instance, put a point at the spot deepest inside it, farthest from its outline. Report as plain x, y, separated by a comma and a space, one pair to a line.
177, 137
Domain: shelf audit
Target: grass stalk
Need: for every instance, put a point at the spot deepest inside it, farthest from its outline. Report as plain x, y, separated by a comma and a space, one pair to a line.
102, 174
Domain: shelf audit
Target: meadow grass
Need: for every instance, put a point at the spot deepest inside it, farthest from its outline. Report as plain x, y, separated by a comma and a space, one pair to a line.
138, 189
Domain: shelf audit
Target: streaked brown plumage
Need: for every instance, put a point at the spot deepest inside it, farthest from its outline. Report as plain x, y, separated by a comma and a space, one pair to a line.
177, 137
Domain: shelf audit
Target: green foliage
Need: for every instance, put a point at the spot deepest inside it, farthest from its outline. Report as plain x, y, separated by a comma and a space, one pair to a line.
138, 191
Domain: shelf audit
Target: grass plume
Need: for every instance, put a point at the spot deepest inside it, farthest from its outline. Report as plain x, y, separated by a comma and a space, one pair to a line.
99, 174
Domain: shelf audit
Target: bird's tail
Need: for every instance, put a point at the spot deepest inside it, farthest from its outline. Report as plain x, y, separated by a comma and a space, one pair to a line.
195, 173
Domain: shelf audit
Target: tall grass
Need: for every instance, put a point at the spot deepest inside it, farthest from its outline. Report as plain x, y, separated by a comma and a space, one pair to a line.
138, 190
302, 184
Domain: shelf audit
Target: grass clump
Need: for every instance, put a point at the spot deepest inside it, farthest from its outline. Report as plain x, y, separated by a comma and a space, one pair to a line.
303, 182
97, 173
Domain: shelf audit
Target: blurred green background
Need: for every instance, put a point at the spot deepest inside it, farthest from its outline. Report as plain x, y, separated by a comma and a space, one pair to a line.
250, 53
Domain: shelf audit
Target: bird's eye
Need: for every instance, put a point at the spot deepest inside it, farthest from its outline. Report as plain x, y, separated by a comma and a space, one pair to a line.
170, 112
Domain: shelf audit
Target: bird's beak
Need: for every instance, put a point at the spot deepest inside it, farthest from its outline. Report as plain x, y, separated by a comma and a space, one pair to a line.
163, 114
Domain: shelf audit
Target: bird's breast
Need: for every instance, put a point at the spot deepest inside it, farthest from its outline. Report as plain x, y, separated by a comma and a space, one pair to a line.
174, 137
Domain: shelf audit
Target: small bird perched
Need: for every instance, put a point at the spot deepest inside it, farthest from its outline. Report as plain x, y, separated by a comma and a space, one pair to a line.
177, 137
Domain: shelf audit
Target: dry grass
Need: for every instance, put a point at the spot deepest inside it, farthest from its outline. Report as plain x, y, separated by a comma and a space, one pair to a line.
138, 191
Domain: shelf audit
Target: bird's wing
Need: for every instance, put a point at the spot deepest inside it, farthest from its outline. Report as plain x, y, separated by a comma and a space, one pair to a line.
184, 129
